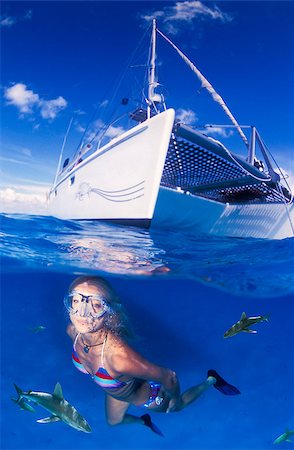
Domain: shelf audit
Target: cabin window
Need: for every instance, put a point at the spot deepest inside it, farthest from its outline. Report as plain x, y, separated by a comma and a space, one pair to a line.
65, 163
55, 193
72, 180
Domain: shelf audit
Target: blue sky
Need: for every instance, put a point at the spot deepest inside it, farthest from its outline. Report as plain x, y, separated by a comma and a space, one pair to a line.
61, 58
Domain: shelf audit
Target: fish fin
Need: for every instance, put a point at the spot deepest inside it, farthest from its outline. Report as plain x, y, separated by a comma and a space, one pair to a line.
288, 440
222, 385
58, 391
148, 422
243, 316
247, 330
49, 419
19, 391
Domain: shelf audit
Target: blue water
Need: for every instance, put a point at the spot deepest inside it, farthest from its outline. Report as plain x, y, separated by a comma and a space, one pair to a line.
182, 293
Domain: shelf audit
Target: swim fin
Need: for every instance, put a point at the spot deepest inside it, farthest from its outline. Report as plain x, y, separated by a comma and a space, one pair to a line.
148, 422
221, 384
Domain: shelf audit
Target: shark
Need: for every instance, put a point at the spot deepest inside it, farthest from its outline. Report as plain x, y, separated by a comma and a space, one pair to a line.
243, 325
285, 437
60, 409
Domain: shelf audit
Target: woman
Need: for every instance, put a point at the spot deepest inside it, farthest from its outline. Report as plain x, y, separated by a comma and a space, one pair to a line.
98, 329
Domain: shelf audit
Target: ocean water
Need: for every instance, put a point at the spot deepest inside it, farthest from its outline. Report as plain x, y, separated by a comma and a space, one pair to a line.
182, 292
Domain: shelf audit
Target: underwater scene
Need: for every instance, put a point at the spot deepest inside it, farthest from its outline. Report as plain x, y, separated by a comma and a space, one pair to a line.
182, 294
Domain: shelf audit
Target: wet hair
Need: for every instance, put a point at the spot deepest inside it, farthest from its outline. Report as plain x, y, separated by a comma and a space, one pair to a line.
116, 319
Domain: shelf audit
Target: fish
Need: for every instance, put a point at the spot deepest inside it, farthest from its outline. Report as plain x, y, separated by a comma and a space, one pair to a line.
243, 325
60, 409
285, 437
38, 329
23, 404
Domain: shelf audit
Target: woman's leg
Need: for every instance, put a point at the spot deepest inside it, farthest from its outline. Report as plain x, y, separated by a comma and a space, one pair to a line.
116, 412
194, 392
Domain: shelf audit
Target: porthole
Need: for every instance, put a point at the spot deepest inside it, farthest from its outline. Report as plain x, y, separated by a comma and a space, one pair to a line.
72, 180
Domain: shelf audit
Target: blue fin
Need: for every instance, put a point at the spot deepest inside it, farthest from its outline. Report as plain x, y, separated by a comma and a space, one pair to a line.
148, 422
221, 384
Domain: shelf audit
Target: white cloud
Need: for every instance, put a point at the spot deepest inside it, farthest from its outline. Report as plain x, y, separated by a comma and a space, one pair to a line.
27, 102
79, 112
14, 160
186, 116
219, 131
8, 21
80, 128
24, 199
113, 132
104, 104
28, 15
26, 151
184, 13
50, 108
288, 174
21, 97
98, 126
188, 10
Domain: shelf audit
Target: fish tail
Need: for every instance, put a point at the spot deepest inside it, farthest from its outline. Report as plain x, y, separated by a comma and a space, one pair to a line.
19, 393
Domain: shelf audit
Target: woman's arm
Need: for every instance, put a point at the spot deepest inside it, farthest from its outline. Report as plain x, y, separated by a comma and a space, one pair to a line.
125, 361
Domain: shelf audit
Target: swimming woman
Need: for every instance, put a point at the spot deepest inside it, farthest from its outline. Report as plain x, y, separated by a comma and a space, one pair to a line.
99, 330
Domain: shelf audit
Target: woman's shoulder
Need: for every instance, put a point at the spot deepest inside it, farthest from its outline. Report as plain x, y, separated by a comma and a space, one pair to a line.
115, 342
117, 347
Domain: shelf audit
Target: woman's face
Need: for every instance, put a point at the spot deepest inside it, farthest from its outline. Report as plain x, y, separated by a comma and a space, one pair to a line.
87, 307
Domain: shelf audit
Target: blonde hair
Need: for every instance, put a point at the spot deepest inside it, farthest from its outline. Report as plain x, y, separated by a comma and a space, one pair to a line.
116, 319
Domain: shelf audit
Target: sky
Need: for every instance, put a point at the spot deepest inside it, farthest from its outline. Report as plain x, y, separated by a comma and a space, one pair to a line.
62, 59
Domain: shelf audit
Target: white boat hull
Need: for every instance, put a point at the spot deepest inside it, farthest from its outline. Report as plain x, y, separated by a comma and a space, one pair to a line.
175, 209
121, 180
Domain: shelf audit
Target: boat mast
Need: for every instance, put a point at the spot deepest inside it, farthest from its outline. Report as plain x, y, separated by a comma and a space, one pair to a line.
151, 74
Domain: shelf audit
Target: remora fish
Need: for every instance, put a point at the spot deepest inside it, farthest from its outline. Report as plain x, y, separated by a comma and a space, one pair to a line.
59, 408
284, 437
243, 325
23, 404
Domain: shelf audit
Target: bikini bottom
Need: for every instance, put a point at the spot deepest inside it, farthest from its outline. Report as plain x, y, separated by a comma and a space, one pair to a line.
154, 398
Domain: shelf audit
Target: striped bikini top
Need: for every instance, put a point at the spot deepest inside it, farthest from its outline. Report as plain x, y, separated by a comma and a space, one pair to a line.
101, 377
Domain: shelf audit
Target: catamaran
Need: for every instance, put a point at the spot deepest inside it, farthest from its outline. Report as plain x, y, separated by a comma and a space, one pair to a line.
164, 173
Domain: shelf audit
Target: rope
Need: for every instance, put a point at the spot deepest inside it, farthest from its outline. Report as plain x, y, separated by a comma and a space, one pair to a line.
205, 84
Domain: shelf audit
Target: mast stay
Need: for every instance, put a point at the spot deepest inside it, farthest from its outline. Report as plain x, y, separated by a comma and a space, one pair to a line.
208, 86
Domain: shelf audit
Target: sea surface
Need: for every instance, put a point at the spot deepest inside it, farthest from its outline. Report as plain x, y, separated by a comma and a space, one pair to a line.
182, 292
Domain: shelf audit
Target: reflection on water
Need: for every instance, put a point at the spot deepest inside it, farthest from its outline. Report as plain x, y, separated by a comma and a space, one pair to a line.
116, 256
241, 266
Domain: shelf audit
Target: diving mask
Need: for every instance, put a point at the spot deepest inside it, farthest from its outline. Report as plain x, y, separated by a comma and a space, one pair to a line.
93, 306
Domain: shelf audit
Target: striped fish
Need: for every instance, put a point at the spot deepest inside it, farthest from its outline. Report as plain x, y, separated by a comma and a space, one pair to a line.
243, 325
